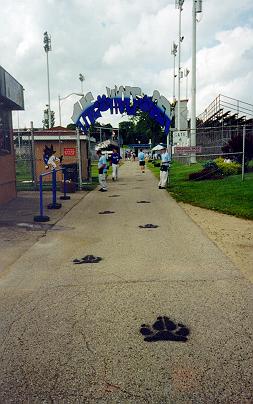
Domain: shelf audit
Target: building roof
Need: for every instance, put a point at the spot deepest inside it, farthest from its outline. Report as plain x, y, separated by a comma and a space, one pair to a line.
106, 144
56, 130
55, 133
11, 91
56, 137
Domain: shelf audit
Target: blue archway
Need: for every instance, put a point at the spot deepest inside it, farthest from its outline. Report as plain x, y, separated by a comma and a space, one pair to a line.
122, 100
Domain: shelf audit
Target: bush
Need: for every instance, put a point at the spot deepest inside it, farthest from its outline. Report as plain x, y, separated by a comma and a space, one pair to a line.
208, 173
210, 164
227, 168
234, 145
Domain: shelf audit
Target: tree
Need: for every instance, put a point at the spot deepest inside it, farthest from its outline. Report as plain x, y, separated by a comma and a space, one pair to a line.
45, 121
71, 126
94, 131
234, 145
126, 129
147, 128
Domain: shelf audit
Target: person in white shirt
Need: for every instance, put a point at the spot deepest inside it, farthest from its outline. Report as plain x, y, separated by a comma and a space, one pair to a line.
102, 170
165, 165
52, 161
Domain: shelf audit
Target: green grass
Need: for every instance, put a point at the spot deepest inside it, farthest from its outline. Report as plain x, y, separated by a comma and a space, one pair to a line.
23, 173
23, 170
229, 195
94, 175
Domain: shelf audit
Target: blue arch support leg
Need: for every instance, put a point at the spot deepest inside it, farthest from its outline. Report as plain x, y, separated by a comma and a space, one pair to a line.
41, 217
54, 204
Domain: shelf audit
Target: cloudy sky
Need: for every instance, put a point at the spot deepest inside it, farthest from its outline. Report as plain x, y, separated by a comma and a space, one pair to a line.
123, 42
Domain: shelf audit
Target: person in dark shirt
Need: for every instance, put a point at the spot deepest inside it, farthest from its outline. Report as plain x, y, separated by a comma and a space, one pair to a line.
115, 159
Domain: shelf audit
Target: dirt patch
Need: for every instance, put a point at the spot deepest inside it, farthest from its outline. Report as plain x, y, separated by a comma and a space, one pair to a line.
234, 236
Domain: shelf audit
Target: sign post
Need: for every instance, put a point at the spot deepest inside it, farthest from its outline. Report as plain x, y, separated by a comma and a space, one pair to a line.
79, 159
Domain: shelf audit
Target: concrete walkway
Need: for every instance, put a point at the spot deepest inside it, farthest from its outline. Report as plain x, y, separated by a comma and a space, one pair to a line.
70, 333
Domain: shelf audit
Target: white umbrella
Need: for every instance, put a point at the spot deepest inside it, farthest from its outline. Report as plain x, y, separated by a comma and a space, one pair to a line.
158, 147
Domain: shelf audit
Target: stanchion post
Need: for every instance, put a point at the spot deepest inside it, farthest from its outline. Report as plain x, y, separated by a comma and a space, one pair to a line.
54, 204
41, 196
41, 217
54, 187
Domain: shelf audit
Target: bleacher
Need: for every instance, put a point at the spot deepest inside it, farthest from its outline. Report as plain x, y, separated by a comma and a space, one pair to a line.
222, 119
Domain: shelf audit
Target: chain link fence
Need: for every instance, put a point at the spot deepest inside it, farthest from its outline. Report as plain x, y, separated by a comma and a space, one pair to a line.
233, 143
24, 163
30, 162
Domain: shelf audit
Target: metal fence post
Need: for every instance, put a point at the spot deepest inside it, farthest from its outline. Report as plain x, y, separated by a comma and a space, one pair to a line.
243, 150
79, 159
34, 176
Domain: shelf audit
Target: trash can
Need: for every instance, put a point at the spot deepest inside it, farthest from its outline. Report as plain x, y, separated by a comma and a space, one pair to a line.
71, 177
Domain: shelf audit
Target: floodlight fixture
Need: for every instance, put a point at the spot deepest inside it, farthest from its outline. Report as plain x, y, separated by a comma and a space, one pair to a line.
81, 78
198, 6
47, 42
174, 49
179, 4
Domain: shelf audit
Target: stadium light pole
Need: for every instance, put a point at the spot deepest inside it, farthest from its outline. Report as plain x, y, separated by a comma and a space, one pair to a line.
179, 5
48, 48
174, 53
196, 8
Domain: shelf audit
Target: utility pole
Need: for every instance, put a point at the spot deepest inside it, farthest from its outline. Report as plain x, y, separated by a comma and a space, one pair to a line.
174, 53
196, 8
186, 72
47, 47
179, 5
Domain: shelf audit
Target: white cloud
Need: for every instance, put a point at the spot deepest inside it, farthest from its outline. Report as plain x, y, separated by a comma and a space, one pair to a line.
123, 42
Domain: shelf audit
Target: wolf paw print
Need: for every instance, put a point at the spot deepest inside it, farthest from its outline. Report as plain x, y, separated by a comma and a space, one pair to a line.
164, 329
88, 259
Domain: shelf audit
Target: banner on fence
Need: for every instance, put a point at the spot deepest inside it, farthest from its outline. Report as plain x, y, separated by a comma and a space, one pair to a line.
187, 149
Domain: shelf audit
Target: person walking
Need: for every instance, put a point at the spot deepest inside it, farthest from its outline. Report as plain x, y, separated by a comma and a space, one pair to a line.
141, 158
102, 170
164, 169
115, 160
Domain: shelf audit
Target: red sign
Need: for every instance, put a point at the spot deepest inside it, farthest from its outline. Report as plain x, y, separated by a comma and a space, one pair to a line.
69, 151
188, 149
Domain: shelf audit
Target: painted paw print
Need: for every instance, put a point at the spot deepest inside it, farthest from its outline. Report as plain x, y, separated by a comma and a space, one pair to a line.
106, 212
88, 259
148, 226
164, 329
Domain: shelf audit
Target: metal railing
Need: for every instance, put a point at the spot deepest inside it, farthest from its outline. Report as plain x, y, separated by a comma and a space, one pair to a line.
54, 205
